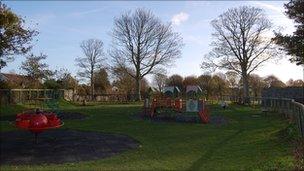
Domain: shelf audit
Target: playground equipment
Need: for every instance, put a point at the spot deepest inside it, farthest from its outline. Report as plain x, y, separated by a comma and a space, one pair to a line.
171, 99
193, 94
195, 104
38, 122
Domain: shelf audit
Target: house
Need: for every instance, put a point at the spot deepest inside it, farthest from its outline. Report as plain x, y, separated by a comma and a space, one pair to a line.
11, 81
2, 78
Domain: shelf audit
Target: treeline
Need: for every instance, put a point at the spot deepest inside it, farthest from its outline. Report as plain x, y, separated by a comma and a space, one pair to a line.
111, 81
219, 84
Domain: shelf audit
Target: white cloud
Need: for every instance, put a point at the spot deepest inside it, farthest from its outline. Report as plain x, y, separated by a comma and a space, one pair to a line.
278, 9
277, 16
43, 18
179, 18
82, 13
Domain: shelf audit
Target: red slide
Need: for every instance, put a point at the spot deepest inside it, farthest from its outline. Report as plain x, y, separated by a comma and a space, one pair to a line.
204, 116
203, 113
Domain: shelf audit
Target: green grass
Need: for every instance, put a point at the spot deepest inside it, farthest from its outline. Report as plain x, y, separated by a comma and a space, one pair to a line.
246, 143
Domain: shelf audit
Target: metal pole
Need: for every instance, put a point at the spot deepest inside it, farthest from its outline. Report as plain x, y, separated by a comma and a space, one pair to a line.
303, 86
36, 137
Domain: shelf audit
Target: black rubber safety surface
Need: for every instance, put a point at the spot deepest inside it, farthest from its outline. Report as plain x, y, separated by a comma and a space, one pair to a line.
61, 146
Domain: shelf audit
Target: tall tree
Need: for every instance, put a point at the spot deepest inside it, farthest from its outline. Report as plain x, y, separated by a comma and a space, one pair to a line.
232, 78
35, 68
101, 81
15, 37
298, 83
294, 83
175, 80
241, 43
122, 80
219, 86
92, 60
204, 81
65, 79
142, 43
125, 82
257, 84
159, 81
273, 81
189, 81
294, 44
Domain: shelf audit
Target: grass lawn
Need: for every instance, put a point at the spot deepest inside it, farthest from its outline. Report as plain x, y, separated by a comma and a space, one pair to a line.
246, 143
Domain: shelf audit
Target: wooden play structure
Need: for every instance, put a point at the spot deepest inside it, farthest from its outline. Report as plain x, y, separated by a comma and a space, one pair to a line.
171, 99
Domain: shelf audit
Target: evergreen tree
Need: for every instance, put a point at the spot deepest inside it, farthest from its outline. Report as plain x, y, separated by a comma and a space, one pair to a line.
294, 44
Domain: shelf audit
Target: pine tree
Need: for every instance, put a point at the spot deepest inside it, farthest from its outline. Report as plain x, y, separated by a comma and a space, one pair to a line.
294, 44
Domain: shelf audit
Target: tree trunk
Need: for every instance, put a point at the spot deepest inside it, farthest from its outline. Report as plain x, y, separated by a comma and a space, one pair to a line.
246, 98
137, 88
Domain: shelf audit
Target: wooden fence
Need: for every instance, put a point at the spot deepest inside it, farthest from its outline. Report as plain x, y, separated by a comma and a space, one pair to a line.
22, 96
292, 110
25, 96
105, 98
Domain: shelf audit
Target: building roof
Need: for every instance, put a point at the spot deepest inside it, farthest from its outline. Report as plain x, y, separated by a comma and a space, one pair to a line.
14, 77
2, 77
16, 80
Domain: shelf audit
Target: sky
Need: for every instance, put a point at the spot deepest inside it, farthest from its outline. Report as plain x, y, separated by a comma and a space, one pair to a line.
62, 25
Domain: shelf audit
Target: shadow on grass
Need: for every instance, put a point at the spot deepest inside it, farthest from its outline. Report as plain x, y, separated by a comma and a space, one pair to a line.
208, 155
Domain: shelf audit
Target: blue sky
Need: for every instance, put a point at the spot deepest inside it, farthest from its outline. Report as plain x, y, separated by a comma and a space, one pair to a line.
63, 25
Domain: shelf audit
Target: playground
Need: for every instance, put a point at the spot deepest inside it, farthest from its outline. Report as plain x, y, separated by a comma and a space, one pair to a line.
245, 141
171, 106
151, 85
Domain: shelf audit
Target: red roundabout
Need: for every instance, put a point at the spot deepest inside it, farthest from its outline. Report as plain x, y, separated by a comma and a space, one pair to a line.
38, 122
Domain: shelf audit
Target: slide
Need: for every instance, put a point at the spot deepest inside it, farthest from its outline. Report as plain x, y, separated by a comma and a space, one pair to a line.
204, 116
203, 112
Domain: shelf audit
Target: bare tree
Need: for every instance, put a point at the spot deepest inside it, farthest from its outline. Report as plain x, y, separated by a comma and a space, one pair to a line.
142, 44
125, 83
175, 80
241, 43
294, 83
273, 81
189, 81
219, 86
232, 78
257, 84
92, 60
204, 81
159, 80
